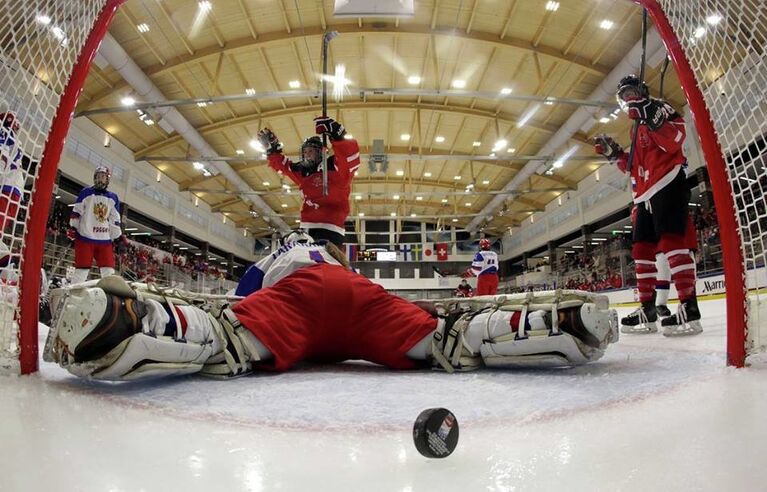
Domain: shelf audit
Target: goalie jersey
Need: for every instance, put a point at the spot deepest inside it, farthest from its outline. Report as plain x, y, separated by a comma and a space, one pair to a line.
286, 260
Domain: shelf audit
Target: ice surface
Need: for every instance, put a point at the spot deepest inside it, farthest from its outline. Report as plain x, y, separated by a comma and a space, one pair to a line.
654, 413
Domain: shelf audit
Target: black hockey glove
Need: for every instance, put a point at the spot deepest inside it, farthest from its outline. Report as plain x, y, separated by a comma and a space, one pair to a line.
650, 112
331, 127
269, 140
605, 145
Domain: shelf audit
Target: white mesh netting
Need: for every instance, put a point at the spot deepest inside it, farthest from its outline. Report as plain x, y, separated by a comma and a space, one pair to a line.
725, 42
39, 44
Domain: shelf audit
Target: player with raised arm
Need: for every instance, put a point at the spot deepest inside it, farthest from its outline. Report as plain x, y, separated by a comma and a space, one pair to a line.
661, 195
322, 216
485, 268
95, 222
305, 304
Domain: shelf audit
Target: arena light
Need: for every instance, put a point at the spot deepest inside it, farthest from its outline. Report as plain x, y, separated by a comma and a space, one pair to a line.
404, 137
457, 178
439, 139
699, 32
206, 173
500, 144
419, 198
468, 204
266, 183
256, 145
294, 84
506, 91
476, 144
361, 214
250, 91
606, 24
143, 27
43, 19
486, 182
204, 5
284, 205
714, 19
400, 172
393, 214
198, 165
414, 80
348, 136
459, 84
604, 119
561, 161
358, 197
395, 197
455, 220
528, 116
552, 6
427, 174
127, 101
340, 82
511, 150
239, 152
412, 215
58, 32
444, 200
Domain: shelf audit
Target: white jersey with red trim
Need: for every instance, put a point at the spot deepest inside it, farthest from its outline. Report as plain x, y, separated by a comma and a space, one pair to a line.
278, 265
12, 175
320, 211
485, 263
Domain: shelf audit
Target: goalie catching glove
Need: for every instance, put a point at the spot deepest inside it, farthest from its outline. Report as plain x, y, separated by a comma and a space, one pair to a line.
110, 331
542, 329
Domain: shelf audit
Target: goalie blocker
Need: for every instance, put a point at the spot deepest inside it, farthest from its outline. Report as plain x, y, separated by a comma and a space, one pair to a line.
111, 330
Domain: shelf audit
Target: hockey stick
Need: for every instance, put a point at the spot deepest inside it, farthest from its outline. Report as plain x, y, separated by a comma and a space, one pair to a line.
635, 131
325, 42
663, 74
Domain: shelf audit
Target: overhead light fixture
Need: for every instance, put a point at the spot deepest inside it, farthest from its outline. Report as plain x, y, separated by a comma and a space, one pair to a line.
284, 205
58, 32
148, 121
159, 176
486, 182
511, 150
256, 145
414, 80
500, 144
358, 197
202, 104
455, 220
143, 27
400, 172
419, 198
457, 178
393, 214
604, 119
250, 91
348, 136
206, 173
204, 5
549, 101
294, 84
198, 165
459, 84
527, 116
699, 32
506, 91
469, 186
196, 201
404, 137
361, 214
239, 152
297, 221
339, 82
561, 160
427, 174
395, 197
714, 19
43, 19
606, 24
266, 183
476, 143
468, 204
552, 6
412, 215
439, 139
127, 101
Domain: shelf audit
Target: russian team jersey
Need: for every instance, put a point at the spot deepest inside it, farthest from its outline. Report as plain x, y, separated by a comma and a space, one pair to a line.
278, 265
96, 216
11, 173
485, 263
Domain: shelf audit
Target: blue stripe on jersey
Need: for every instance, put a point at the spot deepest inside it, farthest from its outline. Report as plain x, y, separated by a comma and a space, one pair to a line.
250, 282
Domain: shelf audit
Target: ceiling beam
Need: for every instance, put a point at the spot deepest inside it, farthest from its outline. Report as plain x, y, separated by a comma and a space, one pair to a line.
226, 203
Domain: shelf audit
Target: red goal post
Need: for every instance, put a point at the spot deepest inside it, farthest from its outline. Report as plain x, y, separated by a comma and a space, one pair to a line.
718, 51
47, 47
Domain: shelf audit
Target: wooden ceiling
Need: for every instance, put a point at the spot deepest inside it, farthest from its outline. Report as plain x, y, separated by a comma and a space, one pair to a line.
261, 45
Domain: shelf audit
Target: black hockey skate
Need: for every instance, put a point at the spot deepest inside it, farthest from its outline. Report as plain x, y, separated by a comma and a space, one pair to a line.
685, 322
663, 311
641, 321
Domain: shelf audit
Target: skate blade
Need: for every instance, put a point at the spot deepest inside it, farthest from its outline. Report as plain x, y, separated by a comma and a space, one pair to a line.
688, 329
642, 329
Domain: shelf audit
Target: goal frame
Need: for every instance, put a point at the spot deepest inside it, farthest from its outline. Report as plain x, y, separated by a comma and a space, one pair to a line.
40, 202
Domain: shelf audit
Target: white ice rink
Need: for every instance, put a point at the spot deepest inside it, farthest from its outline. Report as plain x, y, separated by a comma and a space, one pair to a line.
653, 414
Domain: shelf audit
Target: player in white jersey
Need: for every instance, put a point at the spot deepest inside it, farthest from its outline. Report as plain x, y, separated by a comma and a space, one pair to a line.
485, 268
12, 177
95, 222
306, 305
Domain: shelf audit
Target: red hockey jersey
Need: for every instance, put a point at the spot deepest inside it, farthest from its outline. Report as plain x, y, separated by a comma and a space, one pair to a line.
318, 211
658, 156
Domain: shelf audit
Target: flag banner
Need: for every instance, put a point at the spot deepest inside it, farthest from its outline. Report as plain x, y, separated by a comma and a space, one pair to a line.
441, 249
351, 252
406, 252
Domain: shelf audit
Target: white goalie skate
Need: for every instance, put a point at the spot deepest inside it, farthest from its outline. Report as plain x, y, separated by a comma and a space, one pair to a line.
536, 329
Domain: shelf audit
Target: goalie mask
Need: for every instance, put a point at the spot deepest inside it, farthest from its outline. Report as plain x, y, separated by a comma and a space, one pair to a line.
311, 153
101, 178
297, 236
631, 88
9, 120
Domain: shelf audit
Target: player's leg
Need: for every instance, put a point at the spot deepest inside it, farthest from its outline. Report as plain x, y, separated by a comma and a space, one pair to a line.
9, 207
662, 284
483, 287
541, 329
671, 217
644, 318
109, 330
83, 260
105, 258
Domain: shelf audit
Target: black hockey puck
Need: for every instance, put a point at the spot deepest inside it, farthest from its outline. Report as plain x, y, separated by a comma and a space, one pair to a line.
435, 433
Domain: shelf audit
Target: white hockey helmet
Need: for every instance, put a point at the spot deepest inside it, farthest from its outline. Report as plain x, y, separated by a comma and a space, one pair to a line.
101, 178
297, 236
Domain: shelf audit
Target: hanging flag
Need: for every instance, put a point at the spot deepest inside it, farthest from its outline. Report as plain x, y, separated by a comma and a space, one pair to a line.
351, 252
407, 252
417, 252
441, 251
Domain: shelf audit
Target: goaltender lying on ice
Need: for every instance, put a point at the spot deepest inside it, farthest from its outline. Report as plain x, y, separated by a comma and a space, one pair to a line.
316, 310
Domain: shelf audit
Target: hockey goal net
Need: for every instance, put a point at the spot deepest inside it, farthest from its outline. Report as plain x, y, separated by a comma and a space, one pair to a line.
46, 47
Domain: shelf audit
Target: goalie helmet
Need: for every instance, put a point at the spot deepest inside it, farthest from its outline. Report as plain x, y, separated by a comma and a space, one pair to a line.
10, 120
297, 236
101, 178
484, 244
311, 152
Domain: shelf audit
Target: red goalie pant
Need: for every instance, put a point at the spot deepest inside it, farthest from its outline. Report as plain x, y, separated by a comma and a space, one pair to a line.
86, 252
9, 208
326, 313
487, 284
